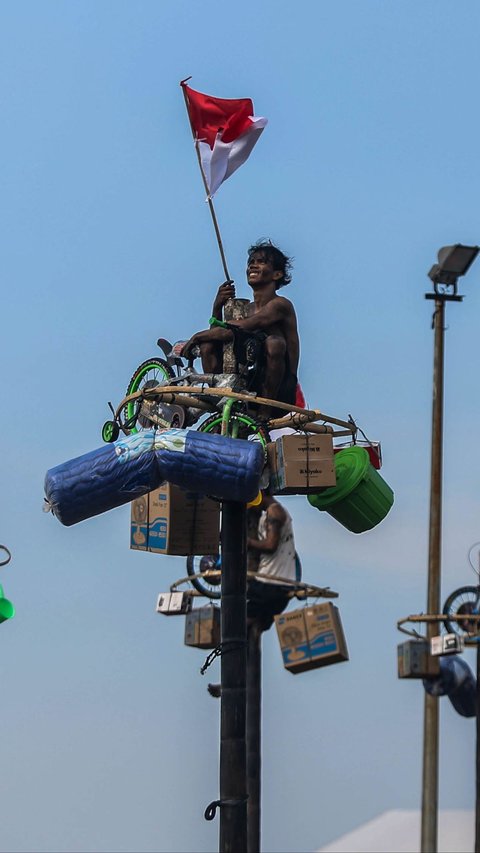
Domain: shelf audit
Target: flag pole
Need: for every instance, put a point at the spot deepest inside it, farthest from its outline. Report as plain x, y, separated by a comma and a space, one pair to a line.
205, 184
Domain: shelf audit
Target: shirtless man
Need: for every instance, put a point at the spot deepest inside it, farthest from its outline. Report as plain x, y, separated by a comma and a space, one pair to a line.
268, 269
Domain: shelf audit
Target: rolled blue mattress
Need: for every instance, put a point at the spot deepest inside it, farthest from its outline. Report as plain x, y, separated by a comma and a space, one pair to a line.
100, 480
457, 681
117, 473
227, 468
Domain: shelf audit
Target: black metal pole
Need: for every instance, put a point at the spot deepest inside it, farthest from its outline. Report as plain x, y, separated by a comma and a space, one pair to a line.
254, 723
477, 767
431, 708
233, 758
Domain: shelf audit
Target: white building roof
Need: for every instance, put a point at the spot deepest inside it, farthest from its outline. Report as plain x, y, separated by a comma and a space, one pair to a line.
398, 831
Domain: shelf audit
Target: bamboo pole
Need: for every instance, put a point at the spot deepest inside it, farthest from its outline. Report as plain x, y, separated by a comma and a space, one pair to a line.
174, 394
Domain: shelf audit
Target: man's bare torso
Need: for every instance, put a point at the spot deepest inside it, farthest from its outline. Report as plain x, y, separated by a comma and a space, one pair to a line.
285, 328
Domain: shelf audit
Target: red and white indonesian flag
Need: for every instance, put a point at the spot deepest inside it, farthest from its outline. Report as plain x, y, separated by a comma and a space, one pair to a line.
225, 132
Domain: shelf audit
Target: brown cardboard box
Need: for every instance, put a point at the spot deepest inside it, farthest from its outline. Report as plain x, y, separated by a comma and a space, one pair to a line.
272, 467
301, 463
170, 520
415, 661
292, 636
311, 637
325, 634
202, 627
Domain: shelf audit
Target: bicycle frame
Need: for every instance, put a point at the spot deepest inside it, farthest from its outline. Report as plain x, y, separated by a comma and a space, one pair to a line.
205, 393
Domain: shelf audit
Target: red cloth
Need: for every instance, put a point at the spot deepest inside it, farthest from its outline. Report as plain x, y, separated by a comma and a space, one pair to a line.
208, 116
299, 398
225, 132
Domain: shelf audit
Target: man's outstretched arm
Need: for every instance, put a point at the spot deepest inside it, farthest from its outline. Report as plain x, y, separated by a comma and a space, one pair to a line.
271, 314
216, 334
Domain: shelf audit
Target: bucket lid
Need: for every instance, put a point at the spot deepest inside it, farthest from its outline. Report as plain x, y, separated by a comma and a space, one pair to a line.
351, 466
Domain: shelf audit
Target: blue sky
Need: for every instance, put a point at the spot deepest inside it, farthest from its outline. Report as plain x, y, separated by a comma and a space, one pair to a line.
369, 164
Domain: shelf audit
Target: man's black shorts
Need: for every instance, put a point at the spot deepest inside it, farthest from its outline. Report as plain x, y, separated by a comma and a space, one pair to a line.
266, 600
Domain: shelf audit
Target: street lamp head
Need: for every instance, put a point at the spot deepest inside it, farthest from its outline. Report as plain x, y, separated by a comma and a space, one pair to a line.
453, 262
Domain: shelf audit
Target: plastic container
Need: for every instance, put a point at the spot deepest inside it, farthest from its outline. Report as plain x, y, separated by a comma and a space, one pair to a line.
361, 499
7, 609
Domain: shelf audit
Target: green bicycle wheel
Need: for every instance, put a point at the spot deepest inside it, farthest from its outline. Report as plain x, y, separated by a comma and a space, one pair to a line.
151, 373
110, 431
239, 426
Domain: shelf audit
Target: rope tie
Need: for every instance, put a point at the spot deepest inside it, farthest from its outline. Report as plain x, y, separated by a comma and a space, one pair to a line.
211, 810
357, 429
307, 440
222, 649
308, 459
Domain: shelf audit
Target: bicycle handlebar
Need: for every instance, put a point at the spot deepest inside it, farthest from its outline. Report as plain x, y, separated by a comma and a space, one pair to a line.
221, 323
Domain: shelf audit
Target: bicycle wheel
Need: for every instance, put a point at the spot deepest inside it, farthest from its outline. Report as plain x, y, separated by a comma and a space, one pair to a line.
465, 600
110, 431
239, 426
209, 567
151, 373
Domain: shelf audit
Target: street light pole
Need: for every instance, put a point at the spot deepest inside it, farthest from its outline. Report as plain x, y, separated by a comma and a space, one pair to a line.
453, 262
431, 707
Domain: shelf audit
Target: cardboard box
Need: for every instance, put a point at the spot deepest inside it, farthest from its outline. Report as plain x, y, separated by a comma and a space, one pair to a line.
301, 463
174, 603
447, 644
202, 627
292, 636
325, 634
170, 520
415, 660
311, 637
272, 467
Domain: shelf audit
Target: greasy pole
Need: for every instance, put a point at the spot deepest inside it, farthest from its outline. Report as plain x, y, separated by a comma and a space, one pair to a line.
431, 706
254, 720
477, 759
233, 751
